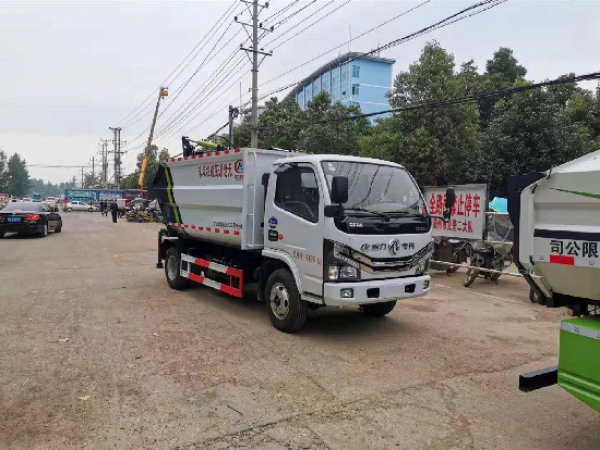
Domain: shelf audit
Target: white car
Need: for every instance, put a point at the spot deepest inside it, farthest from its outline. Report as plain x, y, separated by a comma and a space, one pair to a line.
27, 199
78, 206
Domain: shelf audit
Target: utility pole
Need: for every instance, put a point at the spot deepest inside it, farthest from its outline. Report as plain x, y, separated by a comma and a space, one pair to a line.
82, 185
233, 113
117, 157
93, 171
255, 38
104, 176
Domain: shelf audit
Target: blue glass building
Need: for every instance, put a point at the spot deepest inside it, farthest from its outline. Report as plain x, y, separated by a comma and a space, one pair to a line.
352, 79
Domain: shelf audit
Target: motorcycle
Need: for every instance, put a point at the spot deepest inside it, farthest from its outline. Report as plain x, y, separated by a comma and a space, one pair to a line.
449, 250
496, 256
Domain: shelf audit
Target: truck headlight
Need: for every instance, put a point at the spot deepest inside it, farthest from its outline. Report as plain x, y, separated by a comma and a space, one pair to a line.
422, 266
342, 273
347, 273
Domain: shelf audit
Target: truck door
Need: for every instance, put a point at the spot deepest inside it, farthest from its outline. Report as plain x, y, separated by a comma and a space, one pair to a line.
294, 222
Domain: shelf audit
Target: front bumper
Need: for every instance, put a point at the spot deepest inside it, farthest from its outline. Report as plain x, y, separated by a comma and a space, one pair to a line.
376, 291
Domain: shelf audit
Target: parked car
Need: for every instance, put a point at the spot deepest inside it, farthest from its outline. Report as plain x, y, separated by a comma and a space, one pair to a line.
29, 218
27, 199
78, 206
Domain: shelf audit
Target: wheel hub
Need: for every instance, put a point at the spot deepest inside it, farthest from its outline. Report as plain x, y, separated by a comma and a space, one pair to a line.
280, 301
172, 268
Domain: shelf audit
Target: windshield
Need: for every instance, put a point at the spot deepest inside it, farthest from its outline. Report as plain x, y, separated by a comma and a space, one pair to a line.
23, 206
376, 188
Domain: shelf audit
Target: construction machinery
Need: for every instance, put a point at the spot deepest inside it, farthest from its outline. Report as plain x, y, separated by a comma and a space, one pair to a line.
162, 93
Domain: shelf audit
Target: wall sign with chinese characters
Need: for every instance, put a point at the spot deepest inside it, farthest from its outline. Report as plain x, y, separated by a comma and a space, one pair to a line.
468, 213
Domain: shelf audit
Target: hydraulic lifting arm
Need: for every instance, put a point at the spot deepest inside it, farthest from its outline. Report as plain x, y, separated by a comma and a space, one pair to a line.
162, 92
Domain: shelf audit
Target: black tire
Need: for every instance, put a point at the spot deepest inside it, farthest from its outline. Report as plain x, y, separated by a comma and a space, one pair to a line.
378, 309
2, 233
58, 229
90, 210
44, 232
287, 311
533, 296
456, 260
472, 274
173, 270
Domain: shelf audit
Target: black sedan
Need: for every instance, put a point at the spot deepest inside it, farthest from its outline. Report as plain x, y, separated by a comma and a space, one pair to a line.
29, 218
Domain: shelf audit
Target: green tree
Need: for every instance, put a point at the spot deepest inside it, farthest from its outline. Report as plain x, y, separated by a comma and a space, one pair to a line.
18, 176
3, 172
504, 70
45, 189
154, 157
530, 132
434, 143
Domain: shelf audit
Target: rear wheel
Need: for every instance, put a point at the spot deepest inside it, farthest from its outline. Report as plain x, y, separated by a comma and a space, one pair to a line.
287, 311
2, 233
173, 270
378, 309
69, 209
44, 231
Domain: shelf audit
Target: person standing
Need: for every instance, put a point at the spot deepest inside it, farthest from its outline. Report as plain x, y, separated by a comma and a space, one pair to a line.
114, 210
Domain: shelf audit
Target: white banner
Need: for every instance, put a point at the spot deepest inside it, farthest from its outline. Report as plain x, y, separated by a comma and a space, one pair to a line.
468, 212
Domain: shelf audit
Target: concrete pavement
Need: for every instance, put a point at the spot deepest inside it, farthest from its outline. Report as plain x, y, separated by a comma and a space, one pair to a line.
98, 353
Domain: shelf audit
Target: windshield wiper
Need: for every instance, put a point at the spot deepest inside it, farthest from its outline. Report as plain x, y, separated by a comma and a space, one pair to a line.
407, 213
374, 213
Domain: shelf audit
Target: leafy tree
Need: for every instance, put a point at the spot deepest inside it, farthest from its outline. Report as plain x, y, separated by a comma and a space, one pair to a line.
530, 132
336, 136
503, 69
18, 176
3, 172
45, 189
154, 157
435, 142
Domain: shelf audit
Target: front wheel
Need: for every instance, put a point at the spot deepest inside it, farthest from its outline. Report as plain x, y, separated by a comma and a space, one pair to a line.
287, 311
378, 309
58, 229
173, 270
2, 233
472, 274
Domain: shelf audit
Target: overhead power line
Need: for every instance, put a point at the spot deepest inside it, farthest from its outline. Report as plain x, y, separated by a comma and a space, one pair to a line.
444, 22
308, 26
191, 55
459, 100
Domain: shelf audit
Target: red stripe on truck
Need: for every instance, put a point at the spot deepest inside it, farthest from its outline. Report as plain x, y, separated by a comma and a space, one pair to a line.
562, 259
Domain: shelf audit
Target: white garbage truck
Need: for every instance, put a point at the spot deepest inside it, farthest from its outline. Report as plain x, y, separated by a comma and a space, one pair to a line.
307, 230
556, 217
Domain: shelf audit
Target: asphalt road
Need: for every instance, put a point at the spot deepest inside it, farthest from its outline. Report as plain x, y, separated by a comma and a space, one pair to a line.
98, 353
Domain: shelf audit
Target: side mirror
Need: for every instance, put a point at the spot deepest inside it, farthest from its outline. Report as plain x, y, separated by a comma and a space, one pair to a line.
450, 197
339, 190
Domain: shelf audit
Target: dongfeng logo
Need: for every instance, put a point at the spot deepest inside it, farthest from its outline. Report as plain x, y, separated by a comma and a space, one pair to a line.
239, 166
394, 246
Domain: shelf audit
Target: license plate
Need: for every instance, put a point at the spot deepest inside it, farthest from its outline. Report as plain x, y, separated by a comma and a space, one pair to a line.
14, 219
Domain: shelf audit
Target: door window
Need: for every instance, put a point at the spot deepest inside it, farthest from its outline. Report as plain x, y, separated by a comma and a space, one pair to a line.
297, 191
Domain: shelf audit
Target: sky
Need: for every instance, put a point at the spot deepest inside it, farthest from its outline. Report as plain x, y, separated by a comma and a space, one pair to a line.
72, 69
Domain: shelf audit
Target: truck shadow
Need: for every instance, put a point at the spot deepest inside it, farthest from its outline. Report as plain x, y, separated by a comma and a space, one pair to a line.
330, 322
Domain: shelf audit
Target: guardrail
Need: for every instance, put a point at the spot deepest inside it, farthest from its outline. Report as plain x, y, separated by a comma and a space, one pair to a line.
479, 269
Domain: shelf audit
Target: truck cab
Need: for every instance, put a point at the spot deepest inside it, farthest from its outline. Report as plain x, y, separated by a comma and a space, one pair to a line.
353, 230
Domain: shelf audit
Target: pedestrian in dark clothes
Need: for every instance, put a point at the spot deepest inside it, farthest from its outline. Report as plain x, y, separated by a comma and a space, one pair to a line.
114, 210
